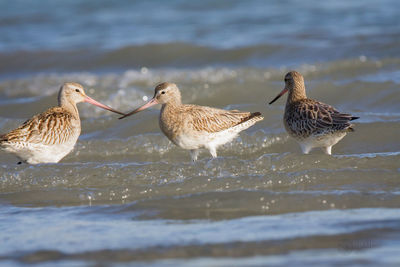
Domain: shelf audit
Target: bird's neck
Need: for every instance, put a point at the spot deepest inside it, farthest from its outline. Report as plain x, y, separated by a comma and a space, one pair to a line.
297, 93
170, 110
70, 107
172, 104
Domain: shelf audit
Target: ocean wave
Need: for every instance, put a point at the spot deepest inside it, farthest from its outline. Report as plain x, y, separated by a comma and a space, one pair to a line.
71, 226
135, 56
339, 83
189, 56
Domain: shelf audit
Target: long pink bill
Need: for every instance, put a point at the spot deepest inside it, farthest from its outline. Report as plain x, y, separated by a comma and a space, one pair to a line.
278, 96
152, 102
94, 102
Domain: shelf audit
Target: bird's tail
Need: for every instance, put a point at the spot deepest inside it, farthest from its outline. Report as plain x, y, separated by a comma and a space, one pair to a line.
256, 116
248, 121
350, 128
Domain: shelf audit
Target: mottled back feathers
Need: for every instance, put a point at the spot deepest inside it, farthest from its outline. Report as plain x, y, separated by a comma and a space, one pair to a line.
206, 119
310, 117
52, 127
215, 120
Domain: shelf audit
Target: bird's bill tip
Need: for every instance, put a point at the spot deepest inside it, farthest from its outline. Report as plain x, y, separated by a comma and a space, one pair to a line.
279, 95
150, 103
96, 103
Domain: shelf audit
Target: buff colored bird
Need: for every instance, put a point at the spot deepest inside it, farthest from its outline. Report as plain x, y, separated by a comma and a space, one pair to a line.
193, 127
313, 124
50, 136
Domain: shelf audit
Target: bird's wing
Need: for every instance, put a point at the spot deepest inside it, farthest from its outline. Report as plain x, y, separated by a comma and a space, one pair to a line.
51, 127
313, 118
213, 120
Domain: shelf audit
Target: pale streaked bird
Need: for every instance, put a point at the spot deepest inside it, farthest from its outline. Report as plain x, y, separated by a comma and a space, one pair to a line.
312, 123
194, 127
50, 136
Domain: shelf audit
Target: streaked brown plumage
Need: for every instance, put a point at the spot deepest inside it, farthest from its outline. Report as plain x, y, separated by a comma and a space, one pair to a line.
194, 127
51, 135
62, 123
310, 122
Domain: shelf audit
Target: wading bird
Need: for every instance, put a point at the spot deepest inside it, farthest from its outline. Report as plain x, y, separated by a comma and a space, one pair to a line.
193, 127
312, 123
51, 135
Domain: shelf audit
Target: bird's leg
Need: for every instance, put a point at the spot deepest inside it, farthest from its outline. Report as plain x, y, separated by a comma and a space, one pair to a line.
327, 150
213, 151
305, 148
193, 154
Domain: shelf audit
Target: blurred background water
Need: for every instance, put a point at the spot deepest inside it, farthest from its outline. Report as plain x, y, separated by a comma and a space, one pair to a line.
126, 195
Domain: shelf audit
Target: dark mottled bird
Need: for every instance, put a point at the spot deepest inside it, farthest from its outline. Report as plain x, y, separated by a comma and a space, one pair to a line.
312, 123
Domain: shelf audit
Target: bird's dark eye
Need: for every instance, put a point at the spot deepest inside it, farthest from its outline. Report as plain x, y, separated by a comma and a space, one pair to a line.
162, 92
77, 90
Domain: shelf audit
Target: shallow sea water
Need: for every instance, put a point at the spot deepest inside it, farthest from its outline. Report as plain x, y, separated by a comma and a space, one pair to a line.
127, 196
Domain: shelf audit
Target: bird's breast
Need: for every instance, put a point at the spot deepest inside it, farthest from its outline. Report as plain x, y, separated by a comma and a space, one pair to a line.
171, 124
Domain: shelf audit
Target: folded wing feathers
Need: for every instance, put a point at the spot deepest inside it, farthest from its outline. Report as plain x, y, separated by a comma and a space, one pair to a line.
50, 127
216, 120
330, 120
313, 117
